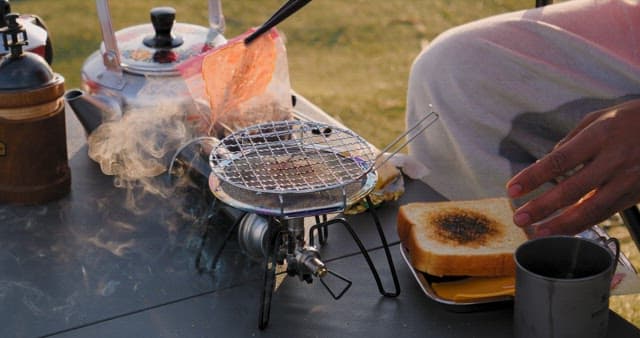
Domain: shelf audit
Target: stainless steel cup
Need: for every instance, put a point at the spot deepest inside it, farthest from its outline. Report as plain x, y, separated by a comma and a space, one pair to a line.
563, 287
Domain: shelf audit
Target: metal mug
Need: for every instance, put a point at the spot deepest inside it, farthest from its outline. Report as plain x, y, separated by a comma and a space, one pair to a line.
562, 287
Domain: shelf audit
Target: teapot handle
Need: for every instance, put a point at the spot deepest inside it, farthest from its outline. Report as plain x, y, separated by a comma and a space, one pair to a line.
111, 54
216, 18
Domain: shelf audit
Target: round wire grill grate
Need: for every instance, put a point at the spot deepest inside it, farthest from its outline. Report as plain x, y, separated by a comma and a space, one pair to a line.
291, 157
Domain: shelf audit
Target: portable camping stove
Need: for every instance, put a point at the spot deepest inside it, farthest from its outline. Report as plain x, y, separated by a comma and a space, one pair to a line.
274, 175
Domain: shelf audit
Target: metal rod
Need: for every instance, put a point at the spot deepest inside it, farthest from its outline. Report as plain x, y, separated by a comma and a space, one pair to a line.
396, 145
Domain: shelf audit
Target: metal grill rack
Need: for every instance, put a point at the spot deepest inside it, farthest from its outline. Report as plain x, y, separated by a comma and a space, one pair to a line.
291, 157
292, 168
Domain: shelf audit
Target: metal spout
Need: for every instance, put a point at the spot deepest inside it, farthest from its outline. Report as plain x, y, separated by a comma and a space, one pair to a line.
92, 111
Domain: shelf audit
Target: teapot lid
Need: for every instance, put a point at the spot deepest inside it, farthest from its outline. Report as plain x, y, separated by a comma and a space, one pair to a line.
21, 69
157, 48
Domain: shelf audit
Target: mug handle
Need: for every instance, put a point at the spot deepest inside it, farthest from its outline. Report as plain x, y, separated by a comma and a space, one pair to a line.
607, 243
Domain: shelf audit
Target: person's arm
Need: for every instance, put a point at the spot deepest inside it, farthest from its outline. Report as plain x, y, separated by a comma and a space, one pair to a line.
604, 151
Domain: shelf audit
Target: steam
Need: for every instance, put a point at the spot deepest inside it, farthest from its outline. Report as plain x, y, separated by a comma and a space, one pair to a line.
138, 148
138, 145
106, 241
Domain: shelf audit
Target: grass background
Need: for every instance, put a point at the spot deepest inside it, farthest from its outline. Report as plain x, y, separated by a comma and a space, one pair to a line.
352, 58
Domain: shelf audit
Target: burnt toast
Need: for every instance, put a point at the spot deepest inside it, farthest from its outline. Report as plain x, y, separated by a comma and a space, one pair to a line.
461, 238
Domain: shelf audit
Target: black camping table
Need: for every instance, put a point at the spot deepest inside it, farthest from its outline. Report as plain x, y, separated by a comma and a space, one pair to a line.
88, 266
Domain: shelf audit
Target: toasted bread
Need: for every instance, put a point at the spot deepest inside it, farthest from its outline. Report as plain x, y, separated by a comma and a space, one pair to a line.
461, 238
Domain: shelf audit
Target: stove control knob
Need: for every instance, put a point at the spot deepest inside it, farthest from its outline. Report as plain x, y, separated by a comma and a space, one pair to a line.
309, 258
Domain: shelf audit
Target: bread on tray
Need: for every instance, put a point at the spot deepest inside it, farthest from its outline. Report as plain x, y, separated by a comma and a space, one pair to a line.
461, 238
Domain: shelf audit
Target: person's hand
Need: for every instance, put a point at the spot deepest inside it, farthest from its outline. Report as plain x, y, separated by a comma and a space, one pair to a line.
604, 152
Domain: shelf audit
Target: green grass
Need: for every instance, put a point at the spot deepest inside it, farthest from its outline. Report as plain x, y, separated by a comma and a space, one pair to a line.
352, 58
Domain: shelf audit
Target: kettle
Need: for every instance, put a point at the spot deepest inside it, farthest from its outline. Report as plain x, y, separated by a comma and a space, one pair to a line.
39, 40
139, 67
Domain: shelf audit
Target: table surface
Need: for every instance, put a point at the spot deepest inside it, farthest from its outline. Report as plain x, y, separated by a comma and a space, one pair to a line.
90, 266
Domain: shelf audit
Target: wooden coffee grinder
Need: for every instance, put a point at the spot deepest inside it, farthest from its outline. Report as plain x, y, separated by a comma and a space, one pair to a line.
33, 144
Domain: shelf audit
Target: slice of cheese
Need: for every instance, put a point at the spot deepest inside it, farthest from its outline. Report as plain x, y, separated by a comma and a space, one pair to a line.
475, 288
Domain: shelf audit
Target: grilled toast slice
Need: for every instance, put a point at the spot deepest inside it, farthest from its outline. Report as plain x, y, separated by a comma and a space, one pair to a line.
461, 238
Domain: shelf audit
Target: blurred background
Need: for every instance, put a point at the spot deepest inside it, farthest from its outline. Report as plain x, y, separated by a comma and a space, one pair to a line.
351, 58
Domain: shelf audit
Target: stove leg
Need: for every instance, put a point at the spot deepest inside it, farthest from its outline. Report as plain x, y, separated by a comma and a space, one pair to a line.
323, 233
218, 253
269, 280
321, 226
385, 246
